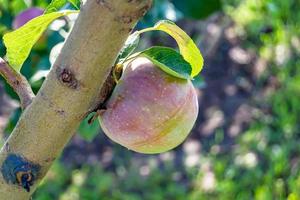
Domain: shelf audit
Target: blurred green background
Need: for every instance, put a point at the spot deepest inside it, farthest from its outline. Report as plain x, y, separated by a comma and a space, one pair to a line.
246, 142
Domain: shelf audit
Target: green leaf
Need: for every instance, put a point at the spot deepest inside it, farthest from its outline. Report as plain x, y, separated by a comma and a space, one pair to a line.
4, 4
129, 46
55, 5
197, 9
187, 47
169, 61
89, 131
75, 3
20, 42
18, 6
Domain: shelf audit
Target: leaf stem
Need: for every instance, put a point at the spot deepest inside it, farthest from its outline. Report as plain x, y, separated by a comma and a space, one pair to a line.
18, 82
146, 30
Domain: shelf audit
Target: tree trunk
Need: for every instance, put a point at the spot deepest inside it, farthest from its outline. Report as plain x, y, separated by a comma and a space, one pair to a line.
69, 93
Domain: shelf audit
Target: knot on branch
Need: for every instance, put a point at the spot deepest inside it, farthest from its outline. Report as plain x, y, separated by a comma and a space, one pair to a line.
67, 77
128, 17
134, 15
106, 4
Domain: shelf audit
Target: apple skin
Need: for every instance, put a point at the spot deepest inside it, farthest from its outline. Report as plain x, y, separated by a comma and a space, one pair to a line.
26, 16
150, 111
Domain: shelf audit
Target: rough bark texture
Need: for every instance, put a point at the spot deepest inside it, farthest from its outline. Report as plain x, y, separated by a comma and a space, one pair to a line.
71, 89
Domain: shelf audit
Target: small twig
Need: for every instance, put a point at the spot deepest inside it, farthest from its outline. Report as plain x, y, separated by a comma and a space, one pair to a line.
18, 82
108, 87
106, 91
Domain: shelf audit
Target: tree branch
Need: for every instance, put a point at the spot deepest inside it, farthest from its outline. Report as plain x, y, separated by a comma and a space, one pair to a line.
18, 82
70, 91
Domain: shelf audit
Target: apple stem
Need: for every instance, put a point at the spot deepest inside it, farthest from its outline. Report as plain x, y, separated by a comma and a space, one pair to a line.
96, 115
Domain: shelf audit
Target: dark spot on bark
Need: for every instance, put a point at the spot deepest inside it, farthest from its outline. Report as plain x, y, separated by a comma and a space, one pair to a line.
67, 77
105, 4
125, 30
49, 160
143, 11
60, 112
100, 2
16, 82
18, 170
7, 147
134, 1
45, 98
125, 19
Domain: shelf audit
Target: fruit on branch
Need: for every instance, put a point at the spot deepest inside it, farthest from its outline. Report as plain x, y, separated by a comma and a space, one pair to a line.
26, 16
149, 111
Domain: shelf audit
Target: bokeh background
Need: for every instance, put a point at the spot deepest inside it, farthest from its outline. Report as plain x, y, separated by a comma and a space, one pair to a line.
245, 144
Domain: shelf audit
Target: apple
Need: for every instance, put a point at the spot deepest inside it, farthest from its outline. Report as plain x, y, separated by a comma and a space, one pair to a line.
149, 110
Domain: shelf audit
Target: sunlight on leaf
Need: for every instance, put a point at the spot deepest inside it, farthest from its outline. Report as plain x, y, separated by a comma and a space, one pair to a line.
129, 46
169, 61
20, 42
55, 5
75, 3
187, 47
